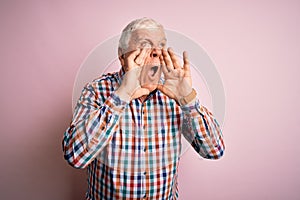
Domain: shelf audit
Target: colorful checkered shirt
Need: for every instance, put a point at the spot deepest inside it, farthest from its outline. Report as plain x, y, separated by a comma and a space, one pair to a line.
132, 149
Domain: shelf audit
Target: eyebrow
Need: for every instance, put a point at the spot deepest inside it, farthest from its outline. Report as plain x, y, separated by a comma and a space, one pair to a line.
147, 39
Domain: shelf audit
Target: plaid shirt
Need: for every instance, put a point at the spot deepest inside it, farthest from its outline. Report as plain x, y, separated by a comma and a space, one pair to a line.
132, 149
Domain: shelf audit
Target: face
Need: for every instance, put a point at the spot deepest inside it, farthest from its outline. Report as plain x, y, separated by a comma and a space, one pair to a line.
156, 40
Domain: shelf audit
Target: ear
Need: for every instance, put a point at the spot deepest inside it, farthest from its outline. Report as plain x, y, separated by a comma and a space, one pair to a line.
121, 57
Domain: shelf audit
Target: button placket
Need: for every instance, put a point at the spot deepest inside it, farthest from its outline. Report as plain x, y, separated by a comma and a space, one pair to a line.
142, 150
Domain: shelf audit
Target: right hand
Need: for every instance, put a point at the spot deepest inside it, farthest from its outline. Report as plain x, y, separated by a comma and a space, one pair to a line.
130, 87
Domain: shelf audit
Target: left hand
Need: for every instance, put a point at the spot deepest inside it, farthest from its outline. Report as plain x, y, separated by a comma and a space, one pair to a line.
178, 80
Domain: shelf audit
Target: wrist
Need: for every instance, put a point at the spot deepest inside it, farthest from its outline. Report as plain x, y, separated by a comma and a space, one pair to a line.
184, 100
123, 94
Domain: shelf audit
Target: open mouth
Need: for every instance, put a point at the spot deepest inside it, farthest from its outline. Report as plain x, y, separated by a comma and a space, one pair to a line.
150, 75
153, 70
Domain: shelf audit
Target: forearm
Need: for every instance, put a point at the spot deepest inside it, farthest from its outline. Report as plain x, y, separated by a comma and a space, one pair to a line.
89, 134
202, 130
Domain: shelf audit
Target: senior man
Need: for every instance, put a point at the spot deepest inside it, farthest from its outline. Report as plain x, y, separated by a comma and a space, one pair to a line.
127, 126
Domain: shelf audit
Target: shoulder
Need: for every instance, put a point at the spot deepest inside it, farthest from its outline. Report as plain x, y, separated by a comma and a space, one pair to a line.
105, 82
108, 77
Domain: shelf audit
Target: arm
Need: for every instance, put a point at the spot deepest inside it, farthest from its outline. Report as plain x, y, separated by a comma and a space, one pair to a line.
98, 112
202, 130
199, 125
95, 120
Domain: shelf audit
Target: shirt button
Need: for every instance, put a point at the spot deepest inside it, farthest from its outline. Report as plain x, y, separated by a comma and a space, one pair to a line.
145, 173
145, 149
145, 196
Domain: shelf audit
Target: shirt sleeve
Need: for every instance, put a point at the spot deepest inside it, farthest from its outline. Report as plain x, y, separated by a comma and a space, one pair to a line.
202, 131
94, 122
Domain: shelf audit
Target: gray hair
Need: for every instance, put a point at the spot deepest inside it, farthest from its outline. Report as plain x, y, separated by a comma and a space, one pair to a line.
142, 23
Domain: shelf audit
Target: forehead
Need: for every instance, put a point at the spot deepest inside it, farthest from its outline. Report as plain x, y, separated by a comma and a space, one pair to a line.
155, 34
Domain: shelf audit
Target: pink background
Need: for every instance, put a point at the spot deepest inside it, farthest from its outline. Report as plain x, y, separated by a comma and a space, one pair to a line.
255, 45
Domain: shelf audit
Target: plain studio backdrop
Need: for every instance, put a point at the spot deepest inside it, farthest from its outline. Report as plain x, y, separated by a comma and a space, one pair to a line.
255, 46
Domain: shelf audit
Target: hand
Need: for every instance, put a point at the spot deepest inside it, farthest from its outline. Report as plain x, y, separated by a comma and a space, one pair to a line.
178, 80
130, 87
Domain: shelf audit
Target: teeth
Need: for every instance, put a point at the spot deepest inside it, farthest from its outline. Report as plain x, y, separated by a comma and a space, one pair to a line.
154, 70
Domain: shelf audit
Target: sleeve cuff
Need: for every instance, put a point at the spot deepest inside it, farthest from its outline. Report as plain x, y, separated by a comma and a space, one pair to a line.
116, 103
191, 107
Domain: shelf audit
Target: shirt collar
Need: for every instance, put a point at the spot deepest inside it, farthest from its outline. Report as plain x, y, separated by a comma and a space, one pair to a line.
121, 73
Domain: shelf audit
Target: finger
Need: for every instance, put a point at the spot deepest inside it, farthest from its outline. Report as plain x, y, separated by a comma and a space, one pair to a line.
133, 54
186, 64
163, 65
167, 60
147, 53
140, 57
165, 70
174, 58
130, 58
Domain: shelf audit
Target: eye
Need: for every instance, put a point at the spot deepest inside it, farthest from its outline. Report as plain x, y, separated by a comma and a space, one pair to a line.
162, 45
145, 44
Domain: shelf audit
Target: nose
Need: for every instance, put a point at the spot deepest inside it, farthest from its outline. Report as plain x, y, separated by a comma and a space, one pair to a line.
156, 52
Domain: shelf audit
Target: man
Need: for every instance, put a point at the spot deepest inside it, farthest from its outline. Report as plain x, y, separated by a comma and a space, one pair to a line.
127, 126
